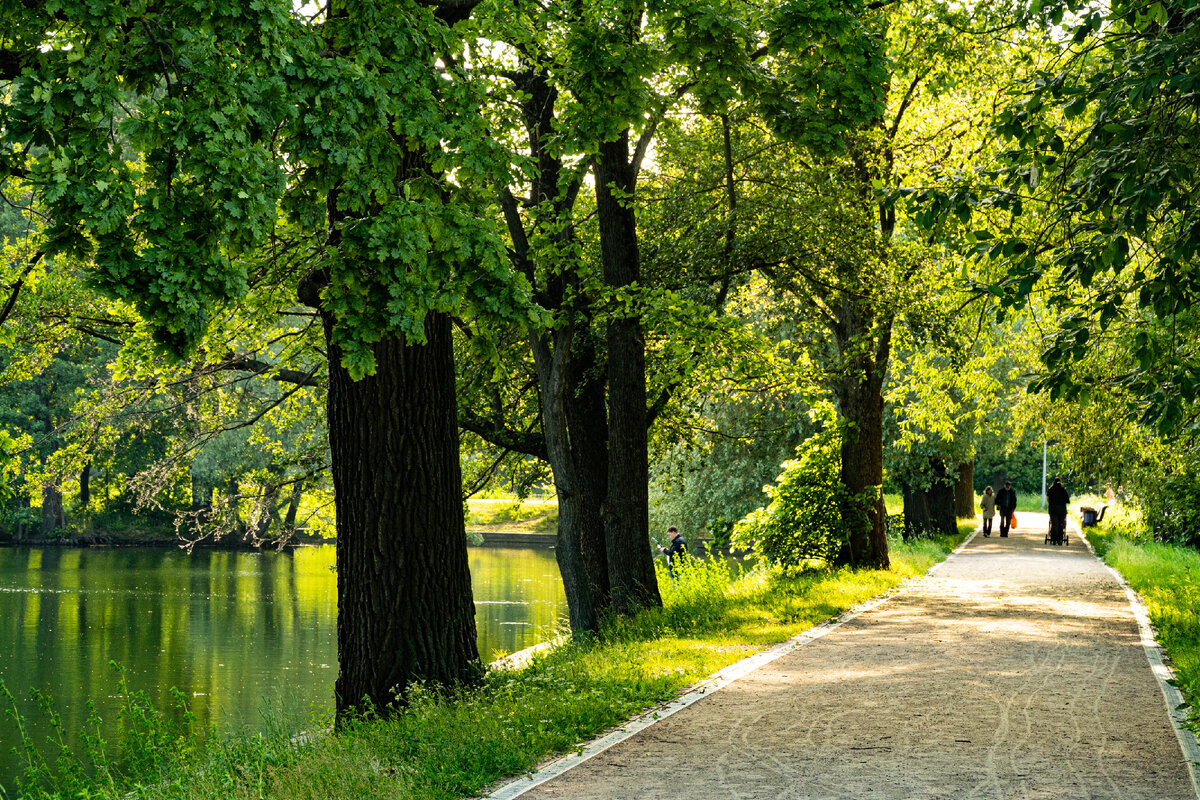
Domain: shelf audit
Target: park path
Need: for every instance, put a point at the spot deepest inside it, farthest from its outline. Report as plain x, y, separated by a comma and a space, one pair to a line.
1014, 670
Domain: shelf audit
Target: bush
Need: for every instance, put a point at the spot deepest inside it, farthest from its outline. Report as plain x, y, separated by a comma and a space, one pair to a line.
803, 520
1167, 507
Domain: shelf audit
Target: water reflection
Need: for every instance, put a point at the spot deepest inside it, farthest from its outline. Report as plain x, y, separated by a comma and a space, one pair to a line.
239, 633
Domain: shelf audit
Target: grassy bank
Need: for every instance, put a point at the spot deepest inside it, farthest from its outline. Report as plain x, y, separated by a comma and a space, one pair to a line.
1168, 579
511, 515
450, 747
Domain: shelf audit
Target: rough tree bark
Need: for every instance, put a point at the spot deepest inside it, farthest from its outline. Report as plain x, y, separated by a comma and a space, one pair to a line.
289, 520
942, 499
405, 607
551, 364
627, 526
964, 490
866, 342
862, 473
587, 417
930, 510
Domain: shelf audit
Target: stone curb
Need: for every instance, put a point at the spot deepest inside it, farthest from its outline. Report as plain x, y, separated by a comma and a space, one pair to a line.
1162, 672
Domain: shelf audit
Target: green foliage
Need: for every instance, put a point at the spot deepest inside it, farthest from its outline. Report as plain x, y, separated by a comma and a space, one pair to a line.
150, 165
699, 591
1166, 489
803, 522
9, 463
833, 72
1095, 203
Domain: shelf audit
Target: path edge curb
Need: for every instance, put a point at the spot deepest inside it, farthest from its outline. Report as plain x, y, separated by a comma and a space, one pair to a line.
739, 669
1163, 673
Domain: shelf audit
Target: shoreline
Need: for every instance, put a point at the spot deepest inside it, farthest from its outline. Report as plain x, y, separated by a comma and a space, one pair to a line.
490, 539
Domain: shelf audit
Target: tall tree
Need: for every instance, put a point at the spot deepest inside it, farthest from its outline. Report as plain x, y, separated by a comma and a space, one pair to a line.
872, 98
591, 83
162, 138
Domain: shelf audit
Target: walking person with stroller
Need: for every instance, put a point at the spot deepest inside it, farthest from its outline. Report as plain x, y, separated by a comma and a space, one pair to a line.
988, 504
1006, 502
1057, 499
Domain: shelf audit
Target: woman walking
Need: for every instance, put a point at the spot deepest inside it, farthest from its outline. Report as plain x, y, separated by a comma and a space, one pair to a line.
988, 504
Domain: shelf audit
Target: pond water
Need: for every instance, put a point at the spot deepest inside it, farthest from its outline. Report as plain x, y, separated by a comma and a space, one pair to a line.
244, 635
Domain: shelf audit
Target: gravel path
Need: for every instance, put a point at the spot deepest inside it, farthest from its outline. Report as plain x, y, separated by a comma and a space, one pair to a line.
1016, 670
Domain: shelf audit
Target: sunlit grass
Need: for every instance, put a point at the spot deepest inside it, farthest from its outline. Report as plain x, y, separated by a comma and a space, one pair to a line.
512, 515
714, 614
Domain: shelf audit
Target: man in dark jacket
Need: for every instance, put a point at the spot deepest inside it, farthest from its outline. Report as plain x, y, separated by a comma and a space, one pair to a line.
1057, 499
1006, 502
676, 549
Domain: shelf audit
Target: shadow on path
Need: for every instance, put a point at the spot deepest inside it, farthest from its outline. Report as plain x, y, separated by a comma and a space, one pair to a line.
1014, 671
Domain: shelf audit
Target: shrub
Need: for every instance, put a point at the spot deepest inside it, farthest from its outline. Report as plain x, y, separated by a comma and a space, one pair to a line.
803, 520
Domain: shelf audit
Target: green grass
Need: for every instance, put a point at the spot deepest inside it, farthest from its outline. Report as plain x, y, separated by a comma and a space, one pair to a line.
714, 614
512, 515
1167, 577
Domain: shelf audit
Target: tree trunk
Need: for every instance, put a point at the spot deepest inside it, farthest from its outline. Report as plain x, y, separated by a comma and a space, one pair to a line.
405, 608
85, 487
916, 513
626, 518
964, 490
587, 420
53, 517
289, 521
267, 512
942, 499
862, 474
552, 372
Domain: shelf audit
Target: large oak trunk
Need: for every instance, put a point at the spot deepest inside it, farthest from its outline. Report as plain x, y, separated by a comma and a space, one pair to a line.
627, 526
865, 341
929, 511
916, 513
405, 609
941, 499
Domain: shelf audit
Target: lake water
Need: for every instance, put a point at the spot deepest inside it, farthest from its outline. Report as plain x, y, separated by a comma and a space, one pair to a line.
241, 634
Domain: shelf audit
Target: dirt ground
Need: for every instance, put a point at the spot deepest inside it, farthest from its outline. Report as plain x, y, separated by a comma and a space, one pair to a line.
1014, 671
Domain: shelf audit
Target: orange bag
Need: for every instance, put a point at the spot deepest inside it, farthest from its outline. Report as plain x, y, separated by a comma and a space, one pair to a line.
1012, 522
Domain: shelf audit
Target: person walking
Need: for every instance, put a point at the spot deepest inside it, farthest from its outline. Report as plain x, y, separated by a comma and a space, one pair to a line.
1006, 502
1057, 498
988, 504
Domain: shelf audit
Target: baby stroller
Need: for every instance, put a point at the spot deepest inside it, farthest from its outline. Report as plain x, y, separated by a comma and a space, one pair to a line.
1058, 530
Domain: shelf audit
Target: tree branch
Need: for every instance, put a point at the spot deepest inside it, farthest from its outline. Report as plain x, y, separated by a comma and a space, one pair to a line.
494, 431
247, 364
15, 289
